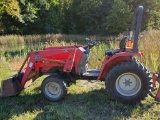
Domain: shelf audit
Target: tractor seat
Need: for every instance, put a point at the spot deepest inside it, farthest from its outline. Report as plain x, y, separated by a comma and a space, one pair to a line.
111, 52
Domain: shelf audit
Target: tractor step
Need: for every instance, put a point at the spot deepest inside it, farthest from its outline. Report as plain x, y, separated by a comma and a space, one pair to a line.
91, 74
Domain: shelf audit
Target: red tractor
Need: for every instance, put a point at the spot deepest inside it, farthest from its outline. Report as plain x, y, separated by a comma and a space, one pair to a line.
126, 79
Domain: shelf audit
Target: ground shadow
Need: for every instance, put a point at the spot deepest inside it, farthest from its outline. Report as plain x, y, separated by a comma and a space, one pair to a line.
88, 105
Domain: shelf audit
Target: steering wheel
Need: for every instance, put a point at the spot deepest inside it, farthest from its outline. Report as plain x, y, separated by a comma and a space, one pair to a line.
90, 42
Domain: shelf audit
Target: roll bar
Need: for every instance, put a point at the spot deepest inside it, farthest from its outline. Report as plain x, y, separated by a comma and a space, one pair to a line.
135, 25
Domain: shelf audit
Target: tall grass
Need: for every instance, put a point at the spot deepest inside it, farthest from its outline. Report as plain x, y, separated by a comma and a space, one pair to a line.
11, 39
85, 100
17, 39
149, 43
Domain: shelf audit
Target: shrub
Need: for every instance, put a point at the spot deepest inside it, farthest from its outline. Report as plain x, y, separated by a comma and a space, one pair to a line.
119, 18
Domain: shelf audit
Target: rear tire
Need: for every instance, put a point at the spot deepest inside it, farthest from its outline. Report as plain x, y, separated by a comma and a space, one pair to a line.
54, 88
128, 82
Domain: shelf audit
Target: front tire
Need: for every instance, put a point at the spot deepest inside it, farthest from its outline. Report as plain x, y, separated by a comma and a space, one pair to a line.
128, 82
54, 88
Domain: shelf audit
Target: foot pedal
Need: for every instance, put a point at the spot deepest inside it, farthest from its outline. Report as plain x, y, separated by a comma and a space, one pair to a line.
92, 73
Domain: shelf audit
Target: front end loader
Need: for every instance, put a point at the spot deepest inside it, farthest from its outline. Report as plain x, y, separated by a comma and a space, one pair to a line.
126, 79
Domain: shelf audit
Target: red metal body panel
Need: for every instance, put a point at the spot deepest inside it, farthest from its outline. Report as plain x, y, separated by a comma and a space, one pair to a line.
43, 60
110, 62
29, 68
61, 47
78, 57
70, 60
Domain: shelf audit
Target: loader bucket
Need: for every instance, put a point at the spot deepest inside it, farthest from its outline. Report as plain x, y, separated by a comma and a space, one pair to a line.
11, 86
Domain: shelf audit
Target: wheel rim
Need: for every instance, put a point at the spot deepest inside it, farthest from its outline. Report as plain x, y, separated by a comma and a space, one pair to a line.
53, 89
128, 84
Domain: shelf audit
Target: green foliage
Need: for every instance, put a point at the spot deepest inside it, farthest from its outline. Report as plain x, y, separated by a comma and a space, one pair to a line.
45, 17
29, 11
119, 18
1, 23
9, 12
85, 16
12, 8
151, 13
10, 16
153, 10
102, 17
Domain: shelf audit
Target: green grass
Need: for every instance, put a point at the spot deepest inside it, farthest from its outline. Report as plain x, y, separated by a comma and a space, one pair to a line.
4, 70
85, 100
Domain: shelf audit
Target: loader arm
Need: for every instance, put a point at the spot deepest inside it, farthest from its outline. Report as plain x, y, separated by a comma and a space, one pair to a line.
42, 61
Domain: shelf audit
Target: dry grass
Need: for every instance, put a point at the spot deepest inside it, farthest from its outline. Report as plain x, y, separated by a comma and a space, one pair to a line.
16, 39
150, 44
16, 63
85, 100
11, 39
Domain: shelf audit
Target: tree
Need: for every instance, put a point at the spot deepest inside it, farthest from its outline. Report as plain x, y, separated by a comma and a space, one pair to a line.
1, 23
85, 16
48, 17
12, 8
152, 8
119, 18
151, 12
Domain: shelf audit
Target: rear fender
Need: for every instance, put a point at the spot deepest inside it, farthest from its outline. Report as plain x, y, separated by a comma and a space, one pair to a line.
109, 62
